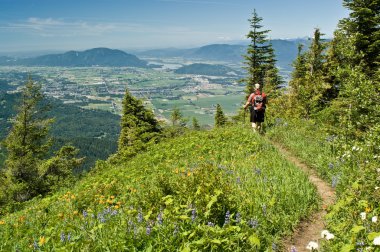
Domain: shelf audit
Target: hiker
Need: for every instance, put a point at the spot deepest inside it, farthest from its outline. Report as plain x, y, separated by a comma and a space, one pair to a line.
257, 104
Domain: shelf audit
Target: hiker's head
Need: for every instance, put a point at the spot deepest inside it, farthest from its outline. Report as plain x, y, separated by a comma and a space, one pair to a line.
257, 86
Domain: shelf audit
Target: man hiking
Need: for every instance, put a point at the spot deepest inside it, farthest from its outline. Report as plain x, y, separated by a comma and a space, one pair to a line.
257, 104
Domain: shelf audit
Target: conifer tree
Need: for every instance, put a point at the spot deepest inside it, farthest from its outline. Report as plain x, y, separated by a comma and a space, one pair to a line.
257, 57
196, 125
363, 26
272, 79
220, 119
138, 125
27, 144
26, 166
176, 116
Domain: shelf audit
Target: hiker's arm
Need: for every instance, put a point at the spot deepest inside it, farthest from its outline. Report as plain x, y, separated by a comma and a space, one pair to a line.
247, 103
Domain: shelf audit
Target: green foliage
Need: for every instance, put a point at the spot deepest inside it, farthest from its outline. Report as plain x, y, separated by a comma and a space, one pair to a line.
215, 190
220, 118
57, 172
195, 123
351, 167
258, 54
363, 26
138, 127
27, 173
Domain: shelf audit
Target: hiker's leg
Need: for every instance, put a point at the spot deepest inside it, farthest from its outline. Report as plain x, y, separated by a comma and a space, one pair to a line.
254, 126
258, 126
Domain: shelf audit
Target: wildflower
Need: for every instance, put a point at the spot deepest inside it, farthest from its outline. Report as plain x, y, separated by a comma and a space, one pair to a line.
360, 243
148, 230
35, 245
363, 215
101, 218
68, 237
334, 181
327, 235
114, 212
42, 241
175, 230
2, 222
85, 214
193, 215
324, 233
374, 219
257, 171
188, 174
330, 236
293, 249
227, 218
376, 241
63, 237
139, 216
238, 218
253, 223
331, 165
312, 246
264, 209
159, 218
210, 224
238, 181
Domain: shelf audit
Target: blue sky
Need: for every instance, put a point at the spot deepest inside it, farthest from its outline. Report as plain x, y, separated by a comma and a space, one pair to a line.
28, 25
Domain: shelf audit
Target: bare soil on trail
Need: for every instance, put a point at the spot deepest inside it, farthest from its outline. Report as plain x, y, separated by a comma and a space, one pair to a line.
310, 228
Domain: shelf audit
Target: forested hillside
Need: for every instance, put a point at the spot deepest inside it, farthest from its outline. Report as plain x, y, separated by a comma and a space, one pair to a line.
94, 133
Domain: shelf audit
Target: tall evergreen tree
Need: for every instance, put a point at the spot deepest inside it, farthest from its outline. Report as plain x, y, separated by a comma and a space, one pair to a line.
28, 170
138, 125
363, 26
257, 57
220, 118
27, 144
272, 79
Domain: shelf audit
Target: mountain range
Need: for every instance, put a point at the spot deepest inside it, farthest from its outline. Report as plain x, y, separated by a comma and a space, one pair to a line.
91, 57
285, 50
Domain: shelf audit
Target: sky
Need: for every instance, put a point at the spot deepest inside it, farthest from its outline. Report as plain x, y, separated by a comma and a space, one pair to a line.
37, 25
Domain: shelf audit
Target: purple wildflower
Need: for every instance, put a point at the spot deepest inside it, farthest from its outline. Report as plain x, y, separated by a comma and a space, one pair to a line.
63, 237
334, 181
253, 223
148, 230
293, 249
85, 214
139, 216
227, 218
210, 224
159, 218
238, 218
193, 215
68, 237
331, 165
238, 181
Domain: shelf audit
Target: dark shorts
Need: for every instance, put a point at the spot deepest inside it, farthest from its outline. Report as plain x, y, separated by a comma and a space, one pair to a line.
257, 116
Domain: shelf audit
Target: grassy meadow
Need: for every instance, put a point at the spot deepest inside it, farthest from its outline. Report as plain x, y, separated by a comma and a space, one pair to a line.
221, 190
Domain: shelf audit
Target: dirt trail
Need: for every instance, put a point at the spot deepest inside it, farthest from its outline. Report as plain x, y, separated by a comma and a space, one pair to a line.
309, 229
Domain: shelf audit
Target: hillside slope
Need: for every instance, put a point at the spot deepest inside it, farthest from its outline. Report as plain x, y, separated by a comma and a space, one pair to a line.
226, 189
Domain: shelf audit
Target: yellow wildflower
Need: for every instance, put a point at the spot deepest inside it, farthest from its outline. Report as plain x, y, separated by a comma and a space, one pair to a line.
73, 196
42, 241
188, 174
75, 212
368, 209
112, 197
2, 222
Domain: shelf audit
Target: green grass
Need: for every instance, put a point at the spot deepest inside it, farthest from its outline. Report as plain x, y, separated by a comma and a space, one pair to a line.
352, 168
173, 197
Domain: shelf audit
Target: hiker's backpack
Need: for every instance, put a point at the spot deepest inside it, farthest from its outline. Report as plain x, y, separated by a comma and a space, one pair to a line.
258, 102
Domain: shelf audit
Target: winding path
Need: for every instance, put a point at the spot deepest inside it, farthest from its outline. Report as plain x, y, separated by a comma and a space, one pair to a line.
308, 229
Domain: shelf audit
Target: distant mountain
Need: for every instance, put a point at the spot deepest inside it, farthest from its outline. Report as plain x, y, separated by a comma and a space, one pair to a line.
286, 52
206, 69
91, 57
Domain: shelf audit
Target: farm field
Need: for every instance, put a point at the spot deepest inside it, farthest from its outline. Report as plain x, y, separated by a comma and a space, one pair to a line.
161, 89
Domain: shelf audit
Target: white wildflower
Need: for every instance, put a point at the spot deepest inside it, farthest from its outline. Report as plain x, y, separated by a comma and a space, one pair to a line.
330, 236
324, 233
376, 241
374, 219
363, 215
376, 187
312, 246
